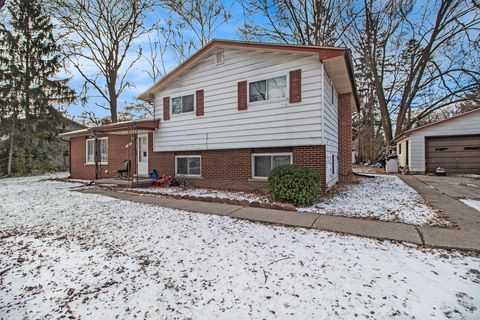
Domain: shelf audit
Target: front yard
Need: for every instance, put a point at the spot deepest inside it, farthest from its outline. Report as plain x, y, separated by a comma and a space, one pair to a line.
65, 253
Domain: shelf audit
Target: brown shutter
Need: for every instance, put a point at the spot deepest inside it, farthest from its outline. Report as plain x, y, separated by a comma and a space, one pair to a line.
242, 95
166, 108
200, 107
295, 86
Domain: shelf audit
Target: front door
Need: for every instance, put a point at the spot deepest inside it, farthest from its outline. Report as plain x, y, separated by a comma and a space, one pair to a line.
142, 155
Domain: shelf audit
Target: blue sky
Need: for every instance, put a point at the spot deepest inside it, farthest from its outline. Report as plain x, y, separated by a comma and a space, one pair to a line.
137, 75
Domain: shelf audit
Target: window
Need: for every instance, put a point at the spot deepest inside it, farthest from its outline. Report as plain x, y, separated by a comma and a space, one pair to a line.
333, 93
183, 104
262, 164
333, 164
188, 165
471, 148
441, 149
270, 89
219, 57
90, 151
400, 148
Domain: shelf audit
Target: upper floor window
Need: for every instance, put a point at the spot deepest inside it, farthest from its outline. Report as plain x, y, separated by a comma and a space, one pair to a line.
183, 104
270, 89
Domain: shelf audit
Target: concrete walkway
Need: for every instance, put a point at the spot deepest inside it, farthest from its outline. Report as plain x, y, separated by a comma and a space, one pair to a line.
467, 238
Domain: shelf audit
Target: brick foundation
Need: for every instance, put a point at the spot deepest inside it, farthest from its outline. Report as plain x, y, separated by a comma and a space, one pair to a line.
221, 169
232, 168
344, 137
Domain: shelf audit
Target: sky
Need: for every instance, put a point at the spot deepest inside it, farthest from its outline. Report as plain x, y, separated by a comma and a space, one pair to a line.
137, 74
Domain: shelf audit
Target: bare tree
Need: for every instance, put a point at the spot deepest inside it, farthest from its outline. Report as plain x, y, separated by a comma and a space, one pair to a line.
307, 22
103, 32
421, 58
192, 24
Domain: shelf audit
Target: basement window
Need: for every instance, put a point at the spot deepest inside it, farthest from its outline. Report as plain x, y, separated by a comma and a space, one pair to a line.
188, 165
263, 163
441, 149
472, 148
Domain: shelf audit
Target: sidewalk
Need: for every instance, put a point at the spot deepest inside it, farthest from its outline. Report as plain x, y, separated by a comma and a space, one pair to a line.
467, 238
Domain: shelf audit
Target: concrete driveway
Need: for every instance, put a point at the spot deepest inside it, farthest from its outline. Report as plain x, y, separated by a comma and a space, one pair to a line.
454, 186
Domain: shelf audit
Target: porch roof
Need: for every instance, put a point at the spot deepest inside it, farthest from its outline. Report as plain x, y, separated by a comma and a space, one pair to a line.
121, 128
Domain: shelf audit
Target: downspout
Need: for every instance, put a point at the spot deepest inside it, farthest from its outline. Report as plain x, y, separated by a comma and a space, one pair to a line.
70, 157
323, 107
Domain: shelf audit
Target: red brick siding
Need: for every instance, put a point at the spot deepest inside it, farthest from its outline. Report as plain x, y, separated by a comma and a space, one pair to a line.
117, 153
242, 95
344, 137
295, 86
232, 168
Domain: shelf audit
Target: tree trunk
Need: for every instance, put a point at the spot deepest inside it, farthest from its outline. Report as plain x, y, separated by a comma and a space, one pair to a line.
10, 155
112, 92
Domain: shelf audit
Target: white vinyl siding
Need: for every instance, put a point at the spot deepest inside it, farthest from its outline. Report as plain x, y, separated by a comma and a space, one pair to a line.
263, 163
267, 124
402, 157
469, 124
90, 151
331, 130
188, 165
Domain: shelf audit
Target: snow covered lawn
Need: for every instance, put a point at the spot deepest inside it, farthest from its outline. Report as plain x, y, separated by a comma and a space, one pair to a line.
65, 253
385, 198
210, 193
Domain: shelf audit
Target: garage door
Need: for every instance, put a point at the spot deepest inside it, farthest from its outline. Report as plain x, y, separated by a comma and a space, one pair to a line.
457, 154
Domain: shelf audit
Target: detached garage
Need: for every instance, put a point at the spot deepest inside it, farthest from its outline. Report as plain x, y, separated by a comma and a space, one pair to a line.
452, 144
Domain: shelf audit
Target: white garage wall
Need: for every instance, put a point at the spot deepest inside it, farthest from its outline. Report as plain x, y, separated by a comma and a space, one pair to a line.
468, 124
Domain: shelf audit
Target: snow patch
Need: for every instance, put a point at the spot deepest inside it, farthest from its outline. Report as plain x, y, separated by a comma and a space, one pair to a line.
385, 198
475, 204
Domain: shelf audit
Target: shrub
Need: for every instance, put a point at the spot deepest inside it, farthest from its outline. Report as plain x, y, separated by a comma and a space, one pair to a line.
295, 184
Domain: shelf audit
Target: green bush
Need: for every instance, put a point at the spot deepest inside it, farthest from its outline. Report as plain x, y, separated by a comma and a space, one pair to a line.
295, 184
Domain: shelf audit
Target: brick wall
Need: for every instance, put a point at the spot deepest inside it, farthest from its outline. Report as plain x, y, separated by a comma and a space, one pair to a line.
344, 137
232, 168
221, 169
117, 153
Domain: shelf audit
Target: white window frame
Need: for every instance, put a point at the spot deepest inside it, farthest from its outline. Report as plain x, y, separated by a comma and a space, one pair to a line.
268, 154
188, 175
86, 151
287, 92
180, 96
217, 62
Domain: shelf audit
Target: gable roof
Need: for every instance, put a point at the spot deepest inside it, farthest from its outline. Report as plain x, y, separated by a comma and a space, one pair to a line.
337, 62
411, 131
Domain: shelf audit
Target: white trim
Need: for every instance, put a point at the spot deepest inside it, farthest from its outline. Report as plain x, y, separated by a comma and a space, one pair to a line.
268, 154
189, 156
287, 91
180, 96
87, 163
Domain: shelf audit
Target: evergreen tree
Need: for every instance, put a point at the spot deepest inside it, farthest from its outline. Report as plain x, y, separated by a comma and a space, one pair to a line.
29, 61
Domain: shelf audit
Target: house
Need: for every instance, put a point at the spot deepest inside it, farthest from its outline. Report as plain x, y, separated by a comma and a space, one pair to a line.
452, 144
230, 113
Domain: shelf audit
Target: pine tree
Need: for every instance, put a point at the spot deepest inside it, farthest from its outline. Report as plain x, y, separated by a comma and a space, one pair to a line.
29, 61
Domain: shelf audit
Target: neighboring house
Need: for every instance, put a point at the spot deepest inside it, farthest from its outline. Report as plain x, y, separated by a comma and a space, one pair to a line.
452, 144
233, 111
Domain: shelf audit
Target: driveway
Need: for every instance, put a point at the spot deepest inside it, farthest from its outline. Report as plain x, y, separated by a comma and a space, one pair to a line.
454, 186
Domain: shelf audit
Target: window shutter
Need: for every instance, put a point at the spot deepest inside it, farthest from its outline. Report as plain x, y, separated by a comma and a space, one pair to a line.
295, 86
242, 95
200, 104
166, 108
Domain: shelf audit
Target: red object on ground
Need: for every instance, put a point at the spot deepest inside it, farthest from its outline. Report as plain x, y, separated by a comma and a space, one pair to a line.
160, 181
